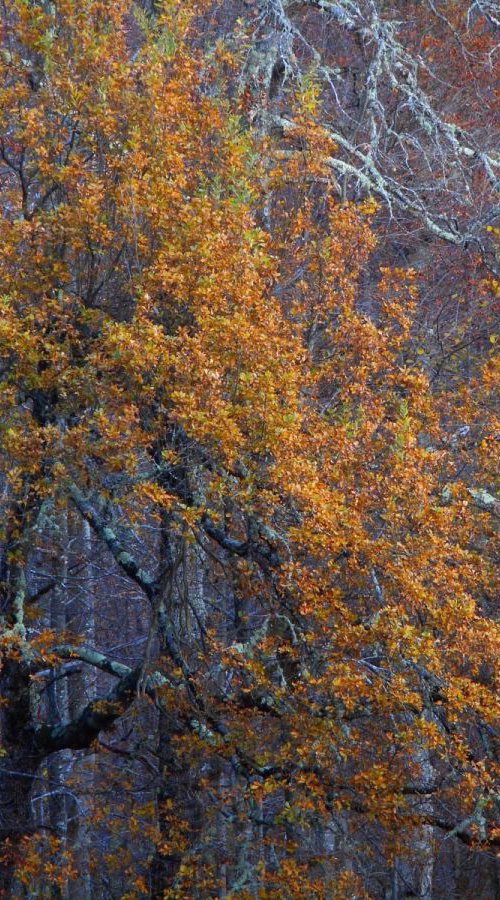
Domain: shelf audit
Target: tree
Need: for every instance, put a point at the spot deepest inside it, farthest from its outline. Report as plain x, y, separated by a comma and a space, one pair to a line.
193, 369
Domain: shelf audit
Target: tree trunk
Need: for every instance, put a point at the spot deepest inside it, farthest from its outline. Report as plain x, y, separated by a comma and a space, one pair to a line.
180, 815
57, 696
83, 686
182, 612
18, 767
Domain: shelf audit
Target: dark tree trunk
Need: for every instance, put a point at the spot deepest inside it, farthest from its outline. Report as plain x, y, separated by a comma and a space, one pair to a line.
18, 765
178, 797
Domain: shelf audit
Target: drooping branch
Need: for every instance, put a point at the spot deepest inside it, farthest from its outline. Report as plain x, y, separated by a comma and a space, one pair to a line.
81, 732
93, 658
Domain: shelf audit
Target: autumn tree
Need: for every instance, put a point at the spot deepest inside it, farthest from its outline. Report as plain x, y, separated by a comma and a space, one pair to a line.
204, 400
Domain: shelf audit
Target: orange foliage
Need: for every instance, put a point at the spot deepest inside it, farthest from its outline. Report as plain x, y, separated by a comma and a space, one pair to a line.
149, 321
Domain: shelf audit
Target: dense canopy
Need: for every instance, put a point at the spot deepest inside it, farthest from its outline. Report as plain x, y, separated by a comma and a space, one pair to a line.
249, 431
